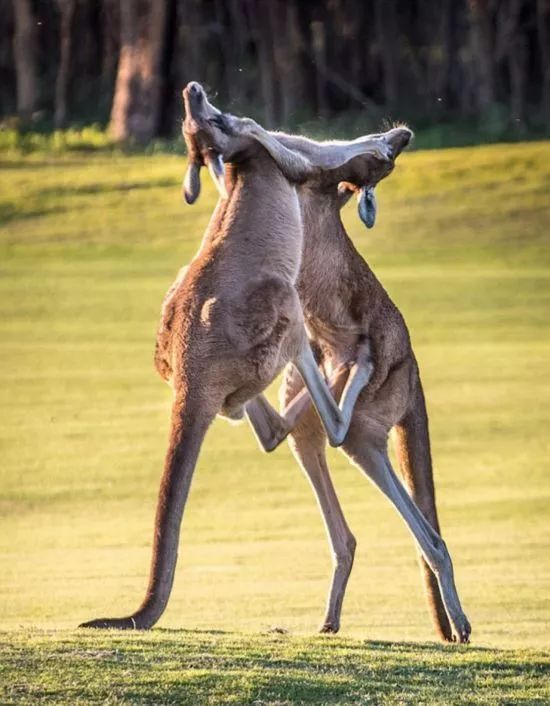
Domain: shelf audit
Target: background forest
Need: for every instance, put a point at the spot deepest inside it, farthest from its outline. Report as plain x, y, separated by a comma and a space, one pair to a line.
459, 70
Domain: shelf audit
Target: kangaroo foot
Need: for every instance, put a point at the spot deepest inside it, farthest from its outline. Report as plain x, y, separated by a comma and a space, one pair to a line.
129, 623
329, 627
461, 630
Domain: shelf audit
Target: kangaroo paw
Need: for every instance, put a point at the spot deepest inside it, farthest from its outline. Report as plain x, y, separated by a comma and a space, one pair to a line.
462, 631
129, 623
328, 627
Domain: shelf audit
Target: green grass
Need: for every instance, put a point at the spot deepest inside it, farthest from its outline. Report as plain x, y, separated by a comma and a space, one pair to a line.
88, 245
191, 667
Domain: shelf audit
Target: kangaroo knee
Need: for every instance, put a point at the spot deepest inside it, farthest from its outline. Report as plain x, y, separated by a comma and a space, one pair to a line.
440, 559
343, 558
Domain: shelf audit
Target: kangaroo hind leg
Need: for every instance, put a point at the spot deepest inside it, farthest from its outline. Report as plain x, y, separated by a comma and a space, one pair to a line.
190, 421
374, 462
308, 443
412, 445
312, 459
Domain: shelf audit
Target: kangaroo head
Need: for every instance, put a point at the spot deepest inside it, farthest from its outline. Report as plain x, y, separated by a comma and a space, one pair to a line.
210, 141
354, 166
362, 173
200, 147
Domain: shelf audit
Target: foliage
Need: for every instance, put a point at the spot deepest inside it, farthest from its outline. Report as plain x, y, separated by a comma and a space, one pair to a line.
95, 138
286, 63
17, 141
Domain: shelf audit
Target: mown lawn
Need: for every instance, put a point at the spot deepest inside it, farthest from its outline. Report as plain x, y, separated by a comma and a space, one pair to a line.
192, 667
88, 245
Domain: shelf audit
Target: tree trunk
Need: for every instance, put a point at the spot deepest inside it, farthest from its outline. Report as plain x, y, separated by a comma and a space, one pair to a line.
388, 40
263, 37
25, 58
110, 37
138, 91
238, 37
318, 42
66, 10
284, 27
482, 49
517, 59
188, 42
543, 30
448, 84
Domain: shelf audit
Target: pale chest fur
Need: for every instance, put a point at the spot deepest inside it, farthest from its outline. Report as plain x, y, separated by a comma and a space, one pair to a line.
261, 234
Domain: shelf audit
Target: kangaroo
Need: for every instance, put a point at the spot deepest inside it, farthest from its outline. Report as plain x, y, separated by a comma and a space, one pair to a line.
346, 309
231, 322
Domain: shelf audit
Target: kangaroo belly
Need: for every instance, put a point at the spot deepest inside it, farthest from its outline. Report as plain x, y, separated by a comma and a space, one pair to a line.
255, 321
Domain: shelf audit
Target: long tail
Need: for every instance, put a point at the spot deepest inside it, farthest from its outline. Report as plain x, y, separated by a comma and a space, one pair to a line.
187, 434
412, 444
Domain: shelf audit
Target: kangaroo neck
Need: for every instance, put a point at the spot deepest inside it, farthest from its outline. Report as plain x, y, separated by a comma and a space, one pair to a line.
331, 264
324, 233
258, 229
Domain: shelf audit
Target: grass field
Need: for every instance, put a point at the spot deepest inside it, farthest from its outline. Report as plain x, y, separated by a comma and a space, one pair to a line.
88, 245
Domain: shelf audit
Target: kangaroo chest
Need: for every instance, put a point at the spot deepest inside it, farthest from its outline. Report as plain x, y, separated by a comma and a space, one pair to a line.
261, 234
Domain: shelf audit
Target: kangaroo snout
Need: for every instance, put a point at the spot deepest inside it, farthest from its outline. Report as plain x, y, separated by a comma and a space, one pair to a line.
193, 90
195, 101
399, 138
198, 110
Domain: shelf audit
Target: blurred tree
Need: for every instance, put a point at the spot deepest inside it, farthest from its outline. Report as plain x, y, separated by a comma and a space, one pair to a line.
25, 58
516, 58
136, 107
543, 27
66, 13
388, 44
482, 47
283, 61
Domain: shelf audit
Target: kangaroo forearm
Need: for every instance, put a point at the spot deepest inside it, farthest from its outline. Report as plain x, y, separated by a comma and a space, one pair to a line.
301, 403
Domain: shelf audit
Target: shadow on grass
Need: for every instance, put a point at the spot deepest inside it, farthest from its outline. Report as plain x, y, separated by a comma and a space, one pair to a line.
215, 667
22, 163
17, 212
62, 191
11, 212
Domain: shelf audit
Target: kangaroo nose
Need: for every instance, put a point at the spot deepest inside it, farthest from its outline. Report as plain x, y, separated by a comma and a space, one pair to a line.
194, 88
398, 138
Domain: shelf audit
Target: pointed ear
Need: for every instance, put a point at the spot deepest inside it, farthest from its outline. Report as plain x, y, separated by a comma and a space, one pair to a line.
214, 163
192, 182
333, 155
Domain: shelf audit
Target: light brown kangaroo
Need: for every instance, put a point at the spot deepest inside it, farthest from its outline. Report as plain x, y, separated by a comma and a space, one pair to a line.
346, 308
231, 322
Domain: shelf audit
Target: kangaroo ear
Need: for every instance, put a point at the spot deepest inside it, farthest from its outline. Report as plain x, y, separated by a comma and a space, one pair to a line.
366, 206
214, 162
192, 182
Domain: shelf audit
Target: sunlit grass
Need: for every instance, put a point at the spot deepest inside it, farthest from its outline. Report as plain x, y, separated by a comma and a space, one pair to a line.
88, 245
192, 667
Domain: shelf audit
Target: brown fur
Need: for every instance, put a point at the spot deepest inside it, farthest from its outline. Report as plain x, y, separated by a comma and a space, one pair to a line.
230, 323
354, 304
344, 304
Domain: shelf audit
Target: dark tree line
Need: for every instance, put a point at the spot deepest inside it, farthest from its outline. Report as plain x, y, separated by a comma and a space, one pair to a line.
285, 62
